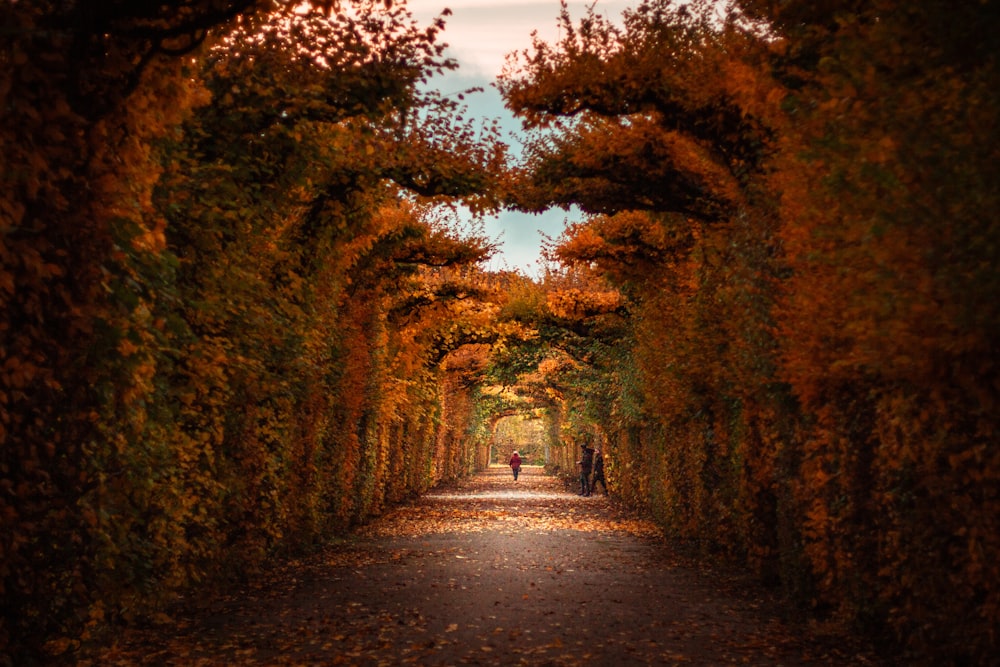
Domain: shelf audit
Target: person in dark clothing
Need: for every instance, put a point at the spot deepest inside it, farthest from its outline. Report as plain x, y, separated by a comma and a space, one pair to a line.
585, 464
598, 472
515, 464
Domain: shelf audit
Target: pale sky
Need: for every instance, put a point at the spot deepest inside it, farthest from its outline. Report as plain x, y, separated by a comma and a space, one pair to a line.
480, 33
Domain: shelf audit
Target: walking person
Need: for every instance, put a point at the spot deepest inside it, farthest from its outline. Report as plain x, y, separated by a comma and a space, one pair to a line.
585, 464
598, 472
515, 464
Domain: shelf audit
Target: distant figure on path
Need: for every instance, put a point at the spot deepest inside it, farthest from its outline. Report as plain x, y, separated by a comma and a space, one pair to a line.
515, 463
598, 472
585, 463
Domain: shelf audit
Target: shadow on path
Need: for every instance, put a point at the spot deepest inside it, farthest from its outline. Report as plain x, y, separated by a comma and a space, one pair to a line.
489, 572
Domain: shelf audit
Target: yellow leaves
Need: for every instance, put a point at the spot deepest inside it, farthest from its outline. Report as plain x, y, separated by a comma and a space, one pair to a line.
552, 366
472, 507
573, 303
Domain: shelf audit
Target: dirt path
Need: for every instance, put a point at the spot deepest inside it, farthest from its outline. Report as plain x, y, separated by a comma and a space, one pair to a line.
491, 572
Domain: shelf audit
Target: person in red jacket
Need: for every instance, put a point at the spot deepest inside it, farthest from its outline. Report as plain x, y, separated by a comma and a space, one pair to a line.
515, 463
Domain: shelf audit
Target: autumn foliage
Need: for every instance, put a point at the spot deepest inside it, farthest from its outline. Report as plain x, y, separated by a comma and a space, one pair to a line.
237, 320
797, 203
227, 295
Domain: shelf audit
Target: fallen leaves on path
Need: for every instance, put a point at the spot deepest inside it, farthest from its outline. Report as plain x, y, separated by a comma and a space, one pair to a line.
493, 501
487, 572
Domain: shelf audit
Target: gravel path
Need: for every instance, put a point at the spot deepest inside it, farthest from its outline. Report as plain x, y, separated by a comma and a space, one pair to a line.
491, 572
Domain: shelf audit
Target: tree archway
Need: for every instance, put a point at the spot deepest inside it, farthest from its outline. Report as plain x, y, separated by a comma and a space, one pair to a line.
525, 432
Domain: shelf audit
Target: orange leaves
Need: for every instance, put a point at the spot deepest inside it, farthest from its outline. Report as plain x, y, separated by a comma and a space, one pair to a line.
634, 162
198, 361
876, 265
817, 227
631, 245
17, 373
577, 304
656, 126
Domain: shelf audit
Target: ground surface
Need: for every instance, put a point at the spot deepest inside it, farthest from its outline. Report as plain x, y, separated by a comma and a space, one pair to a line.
491, 572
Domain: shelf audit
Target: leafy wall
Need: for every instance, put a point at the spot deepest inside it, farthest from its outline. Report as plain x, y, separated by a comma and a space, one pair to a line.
795, 205
224, 297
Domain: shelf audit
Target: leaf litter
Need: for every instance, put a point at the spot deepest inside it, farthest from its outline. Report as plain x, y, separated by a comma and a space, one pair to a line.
487, 572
